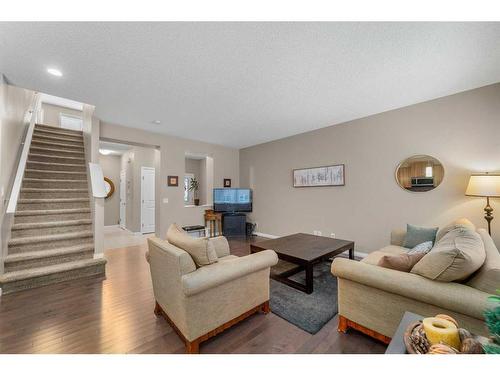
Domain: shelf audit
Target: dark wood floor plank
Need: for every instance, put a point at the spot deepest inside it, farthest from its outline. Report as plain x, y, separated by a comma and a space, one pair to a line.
115, 315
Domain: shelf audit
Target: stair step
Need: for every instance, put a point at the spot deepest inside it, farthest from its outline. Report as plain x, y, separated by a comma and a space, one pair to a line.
58, 129
39, 216
50, 227
48, 238
35, 149
41, 165
53, 183
40, 193
51, 203
54, 174
26, 279
36, 259
56, 159
57, 145
46, 242
57, 139
51, 133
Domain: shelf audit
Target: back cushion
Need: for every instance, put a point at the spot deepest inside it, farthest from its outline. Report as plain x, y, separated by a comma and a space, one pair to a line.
459, 223
487, 278
201, 249
455, 257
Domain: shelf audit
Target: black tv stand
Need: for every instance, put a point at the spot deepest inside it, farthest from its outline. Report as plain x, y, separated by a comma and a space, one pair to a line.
234, 224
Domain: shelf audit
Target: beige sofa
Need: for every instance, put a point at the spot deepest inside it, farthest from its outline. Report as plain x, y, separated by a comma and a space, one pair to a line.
373, 299
201, 302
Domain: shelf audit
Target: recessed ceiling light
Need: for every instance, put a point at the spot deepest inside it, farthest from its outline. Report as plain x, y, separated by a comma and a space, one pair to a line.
105, 152
54, 72
157, 122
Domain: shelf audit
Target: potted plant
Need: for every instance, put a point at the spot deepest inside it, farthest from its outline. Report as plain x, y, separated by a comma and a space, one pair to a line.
492, 317
193, 186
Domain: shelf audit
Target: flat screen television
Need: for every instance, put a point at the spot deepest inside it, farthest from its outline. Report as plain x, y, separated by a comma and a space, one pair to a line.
232, 200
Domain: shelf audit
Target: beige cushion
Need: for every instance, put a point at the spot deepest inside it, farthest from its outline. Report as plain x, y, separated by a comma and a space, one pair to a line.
374, 257
401, 262
487, 278
456, 256
459, 223
201, 249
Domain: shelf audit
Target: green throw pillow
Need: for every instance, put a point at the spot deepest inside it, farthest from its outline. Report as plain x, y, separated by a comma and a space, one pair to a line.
416, 235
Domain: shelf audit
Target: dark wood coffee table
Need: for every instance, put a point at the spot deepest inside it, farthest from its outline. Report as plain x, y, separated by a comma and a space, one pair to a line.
304, 250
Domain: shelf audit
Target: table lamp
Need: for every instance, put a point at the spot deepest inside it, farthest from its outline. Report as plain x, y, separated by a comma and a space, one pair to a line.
485, 185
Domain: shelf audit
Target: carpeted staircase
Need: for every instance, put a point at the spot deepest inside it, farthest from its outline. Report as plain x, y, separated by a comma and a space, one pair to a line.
52, 239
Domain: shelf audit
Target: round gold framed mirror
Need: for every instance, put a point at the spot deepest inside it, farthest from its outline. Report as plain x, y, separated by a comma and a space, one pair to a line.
420, 173
110, 187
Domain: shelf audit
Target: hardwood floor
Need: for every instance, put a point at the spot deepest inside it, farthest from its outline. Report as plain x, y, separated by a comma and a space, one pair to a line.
115, 315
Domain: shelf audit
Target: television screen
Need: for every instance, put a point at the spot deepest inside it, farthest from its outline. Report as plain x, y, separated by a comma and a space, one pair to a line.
232, 200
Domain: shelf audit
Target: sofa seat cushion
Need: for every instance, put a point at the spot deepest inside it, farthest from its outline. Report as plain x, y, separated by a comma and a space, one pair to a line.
455, 257
487, 278
374, 257
202, 250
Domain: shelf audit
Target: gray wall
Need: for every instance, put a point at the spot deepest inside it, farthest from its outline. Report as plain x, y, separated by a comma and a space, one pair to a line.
111, 166
52, 112
173, 150
462, 131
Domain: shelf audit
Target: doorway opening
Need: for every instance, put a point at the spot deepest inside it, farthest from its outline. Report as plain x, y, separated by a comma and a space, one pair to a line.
133, 170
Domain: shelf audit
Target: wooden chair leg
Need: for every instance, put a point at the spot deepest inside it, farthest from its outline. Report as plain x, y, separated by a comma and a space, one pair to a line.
342, 327
158, 309
265, 308
192, 347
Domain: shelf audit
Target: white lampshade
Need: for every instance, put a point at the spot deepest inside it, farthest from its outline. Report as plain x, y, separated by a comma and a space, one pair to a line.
484, 185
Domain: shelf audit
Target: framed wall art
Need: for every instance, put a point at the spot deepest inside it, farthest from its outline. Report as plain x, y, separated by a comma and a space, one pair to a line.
332, 175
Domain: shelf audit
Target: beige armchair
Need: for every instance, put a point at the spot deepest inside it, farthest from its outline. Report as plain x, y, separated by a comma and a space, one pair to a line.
201, 302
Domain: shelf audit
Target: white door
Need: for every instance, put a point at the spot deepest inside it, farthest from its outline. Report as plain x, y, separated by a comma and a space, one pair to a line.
70, 122
123, 198
147, 200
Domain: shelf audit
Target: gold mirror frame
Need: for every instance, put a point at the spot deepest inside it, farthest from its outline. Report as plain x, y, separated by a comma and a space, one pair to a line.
413, 178
112, 187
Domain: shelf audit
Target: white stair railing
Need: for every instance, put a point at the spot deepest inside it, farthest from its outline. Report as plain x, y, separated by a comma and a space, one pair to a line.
31, 119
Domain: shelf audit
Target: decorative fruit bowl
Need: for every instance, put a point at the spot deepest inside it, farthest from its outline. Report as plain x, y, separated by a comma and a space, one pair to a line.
440, 335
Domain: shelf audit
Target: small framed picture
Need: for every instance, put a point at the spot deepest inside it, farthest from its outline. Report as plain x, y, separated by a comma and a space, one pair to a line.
227, 182
173, 180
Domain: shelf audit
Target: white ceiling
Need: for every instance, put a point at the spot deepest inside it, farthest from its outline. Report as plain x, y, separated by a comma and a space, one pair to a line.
111, 148
61, 102
240, 84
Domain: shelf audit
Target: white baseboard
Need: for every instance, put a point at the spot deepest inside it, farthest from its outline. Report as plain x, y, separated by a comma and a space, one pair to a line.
357, 254
112, 226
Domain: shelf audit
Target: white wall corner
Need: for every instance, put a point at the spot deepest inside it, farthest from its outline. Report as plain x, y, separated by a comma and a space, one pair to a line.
98, 256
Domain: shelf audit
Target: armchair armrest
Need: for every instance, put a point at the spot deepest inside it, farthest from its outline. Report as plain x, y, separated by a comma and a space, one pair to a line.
452, 296
211, 276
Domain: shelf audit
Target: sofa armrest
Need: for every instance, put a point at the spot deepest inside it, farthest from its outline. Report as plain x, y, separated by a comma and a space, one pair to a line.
221, 246
452, 296
398, 237
216, 274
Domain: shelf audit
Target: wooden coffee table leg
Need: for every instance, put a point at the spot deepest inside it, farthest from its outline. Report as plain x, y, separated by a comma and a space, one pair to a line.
309, 278
351, 253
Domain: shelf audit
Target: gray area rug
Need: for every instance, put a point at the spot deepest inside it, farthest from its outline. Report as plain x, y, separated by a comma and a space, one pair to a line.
309, 312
